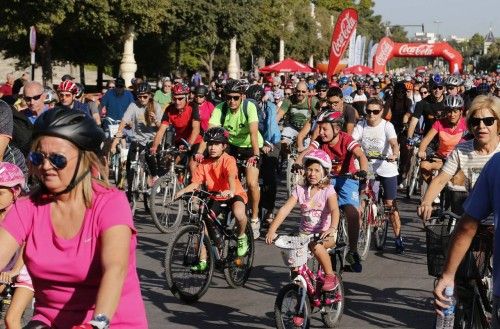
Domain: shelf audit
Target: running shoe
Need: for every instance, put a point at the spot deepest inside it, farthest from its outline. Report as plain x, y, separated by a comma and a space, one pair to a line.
354, 261
331, 282
242, 246
200, 267
255, 223
400, 246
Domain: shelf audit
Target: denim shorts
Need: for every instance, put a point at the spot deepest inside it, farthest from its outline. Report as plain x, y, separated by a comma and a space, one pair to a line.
347, 190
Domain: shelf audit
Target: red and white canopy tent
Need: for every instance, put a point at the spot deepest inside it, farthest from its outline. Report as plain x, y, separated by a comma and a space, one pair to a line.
358, 69
287, 65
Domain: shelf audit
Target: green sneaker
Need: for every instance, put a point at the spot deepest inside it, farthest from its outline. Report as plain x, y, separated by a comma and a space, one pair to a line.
242, 246
200, 267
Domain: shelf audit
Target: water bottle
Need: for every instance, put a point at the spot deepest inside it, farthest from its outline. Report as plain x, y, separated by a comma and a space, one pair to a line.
214, 233
447, 321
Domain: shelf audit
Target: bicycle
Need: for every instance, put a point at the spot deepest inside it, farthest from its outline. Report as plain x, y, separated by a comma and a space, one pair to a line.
292, 308
185, 248
139, 186
293, 178
166, 212
473, 279
413, 174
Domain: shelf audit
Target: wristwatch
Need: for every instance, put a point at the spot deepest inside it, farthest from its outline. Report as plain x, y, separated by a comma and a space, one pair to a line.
100, 321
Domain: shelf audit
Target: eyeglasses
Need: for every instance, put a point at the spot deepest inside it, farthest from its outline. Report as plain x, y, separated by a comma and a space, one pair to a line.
233, 98
35, 98
65, 95
438, 88
424, 92
276, 85
288, 94
143, 96
323, 90
298, 91
450, 87
59, 161
374, 112
488, 121
178, 99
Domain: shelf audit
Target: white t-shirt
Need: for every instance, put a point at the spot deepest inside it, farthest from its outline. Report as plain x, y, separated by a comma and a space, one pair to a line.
375, 142
465, 158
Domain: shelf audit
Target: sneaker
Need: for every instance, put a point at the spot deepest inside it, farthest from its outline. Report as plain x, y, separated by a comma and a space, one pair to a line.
400, 246
354, 261
242, 245
331, 282
200, 267
298, 320
255, 223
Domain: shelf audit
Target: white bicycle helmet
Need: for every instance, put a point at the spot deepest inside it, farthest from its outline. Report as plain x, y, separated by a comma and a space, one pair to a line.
51, 96
453, 80
348, 99
468, 84
454, 101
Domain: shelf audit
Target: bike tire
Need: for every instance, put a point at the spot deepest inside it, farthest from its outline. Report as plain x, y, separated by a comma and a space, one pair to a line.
165, 213
115, 167
134, 191
365, 232
237, 269
410, 190
180, 255
285, 307
380, 230
331, 314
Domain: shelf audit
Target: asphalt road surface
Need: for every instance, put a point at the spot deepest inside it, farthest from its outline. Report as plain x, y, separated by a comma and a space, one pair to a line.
393, 291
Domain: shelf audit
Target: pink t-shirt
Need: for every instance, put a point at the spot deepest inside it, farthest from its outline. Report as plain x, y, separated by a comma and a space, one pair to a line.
66, 273
205, 110
448, 137
315, 213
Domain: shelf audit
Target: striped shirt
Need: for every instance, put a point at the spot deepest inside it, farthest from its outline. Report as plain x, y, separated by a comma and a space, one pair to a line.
465, 158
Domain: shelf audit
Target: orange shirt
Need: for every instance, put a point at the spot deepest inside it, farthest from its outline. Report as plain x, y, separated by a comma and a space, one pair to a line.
214, 174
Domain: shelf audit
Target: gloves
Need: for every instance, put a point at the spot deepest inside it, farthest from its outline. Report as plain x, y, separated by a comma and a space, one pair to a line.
198, 157
296, 167
361, 174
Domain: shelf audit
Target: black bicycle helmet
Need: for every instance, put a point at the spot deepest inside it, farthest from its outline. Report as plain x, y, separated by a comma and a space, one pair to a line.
255, 92
483, 88
201, 90
72, 125
233, 86
216, 134
322, 85
143, 88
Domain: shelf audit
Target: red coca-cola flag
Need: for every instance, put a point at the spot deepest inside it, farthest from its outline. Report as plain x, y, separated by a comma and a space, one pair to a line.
345, 26
384, 53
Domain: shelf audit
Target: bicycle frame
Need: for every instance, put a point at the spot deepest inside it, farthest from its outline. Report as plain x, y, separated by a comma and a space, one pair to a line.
304, 279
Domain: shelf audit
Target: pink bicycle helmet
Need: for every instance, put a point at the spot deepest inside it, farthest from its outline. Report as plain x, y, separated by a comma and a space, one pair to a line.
321, 157
11, 175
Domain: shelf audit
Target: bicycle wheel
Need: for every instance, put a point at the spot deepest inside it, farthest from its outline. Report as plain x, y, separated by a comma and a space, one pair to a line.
380, 230
165, 212
115, 167
182, 253
332, 311
365, 233
292, 179
287, 306
414, 168
134, 190
237, 269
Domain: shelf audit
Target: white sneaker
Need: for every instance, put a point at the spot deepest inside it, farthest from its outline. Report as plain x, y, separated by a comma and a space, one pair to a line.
255, 224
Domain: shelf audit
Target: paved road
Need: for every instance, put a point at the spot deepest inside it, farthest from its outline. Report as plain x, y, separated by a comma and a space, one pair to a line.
393, 291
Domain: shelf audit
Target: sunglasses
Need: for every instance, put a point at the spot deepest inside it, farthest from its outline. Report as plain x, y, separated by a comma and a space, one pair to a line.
424, 92
35, 98
65, 95
374, 112
288, 94
143, 96
439, 88
59, 161
276, 85
488, 121
301, 91
323, 90
178, 99
233, 98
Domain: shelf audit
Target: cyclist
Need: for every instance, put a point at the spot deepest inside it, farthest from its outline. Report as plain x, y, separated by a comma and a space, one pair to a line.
217, 94
67, 91
116, 100
483, 200
319, 211
321, 94
185, 121
245, 140
205, 108
453, 83
342, 150
74, 219
50, 98
378, 138
163, 96
450, 131
34, 96
92, 104
470, 157
219, 174
359, 99
144, 117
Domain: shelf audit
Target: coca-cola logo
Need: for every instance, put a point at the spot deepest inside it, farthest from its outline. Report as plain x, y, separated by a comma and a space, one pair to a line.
347, 25
385, 52
449, 54
420, 50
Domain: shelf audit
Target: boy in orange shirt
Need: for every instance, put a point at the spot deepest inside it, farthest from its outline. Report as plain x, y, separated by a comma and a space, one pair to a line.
219, 173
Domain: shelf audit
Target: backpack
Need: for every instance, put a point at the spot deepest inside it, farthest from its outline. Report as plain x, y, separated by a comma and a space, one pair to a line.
260, 115
22, 132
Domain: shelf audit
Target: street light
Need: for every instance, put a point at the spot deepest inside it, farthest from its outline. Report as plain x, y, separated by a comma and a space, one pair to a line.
437, 22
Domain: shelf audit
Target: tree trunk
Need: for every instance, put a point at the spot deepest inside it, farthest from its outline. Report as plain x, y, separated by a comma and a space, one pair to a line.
177, 54
211, 65
45, 50
100, 72
82, 73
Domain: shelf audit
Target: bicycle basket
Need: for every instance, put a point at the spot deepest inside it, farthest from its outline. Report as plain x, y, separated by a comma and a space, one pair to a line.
294, 249
476, 260
437, 239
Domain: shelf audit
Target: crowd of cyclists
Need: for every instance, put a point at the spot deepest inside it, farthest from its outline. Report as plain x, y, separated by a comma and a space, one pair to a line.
345, 130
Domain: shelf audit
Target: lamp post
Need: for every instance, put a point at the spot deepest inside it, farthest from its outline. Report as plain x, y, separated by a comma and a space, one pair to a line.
437, 22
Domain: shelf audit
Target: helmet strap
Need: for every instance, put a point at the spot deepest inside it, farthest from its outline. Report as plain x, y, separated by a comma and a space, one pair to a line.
74, 180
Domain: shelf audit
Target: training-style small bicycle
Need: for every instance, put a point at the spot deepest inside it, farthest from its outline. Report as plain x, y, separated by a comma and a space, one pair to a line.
293, 304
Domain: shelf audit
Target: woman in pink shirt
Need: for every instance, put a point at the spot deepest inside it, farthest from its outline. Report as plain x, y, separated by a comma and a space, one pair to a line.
78, 232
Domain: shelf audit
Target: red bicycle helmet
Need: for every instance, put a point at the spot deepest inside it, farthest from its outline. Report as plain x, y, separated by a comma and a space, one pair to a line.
180, 89
68, 86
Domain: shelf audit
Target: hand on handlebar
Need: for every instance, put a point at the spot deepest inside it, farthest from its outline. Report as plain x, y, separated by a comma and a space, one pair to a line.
198, 157
424, 210
7, 277
422, 155
227, 194
361, 174
331, 232
253, 161
296, 167
153, 149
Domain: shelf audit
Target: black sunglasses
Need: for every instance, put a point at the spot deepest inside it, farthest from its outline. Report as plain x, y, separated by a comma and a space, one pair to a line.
35, 98
234, 98
59, 161
301, 91
439, 87
488, 121
374, 112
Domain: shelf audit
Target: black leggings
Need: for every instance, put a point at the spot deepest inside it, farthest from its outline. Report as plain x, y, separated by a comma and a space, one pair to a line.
269, 174
152, 167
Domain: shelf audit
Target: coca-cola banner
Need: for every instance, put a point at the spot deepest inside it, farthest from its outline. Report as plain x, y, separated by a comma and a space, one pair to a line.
346, 23
388, 49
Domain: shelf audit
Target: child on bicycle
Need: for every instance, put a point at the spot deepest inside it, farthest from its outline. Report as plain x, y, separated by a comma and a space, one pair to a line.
319, 211
219, 173
12, 182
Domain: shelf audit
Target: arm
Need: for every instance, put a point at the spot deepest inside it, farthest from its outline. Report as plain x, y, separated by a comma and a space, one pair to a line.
115, 244
335, 215
158, 137
97, 118
349, 127
188, 189
302, 135
254, 137
4, 141
119, 135
303, 153
280, 217
436, 186
363, 161
425, 142
194, 132
280, 115
393, 142
411, 127
9, 247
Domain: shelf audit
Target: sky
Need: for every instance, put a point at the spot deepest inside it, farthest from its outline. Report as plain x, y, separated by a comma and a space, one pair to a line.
462, 18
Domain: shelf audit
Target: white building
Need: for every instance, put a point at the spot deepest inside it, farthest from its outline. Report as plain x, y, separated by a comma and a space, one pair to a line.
489, 39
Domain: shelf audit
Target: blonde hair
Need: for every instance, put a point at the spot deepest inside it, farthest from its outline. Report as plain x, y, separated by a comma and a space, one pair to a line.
483, 102
89, 161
